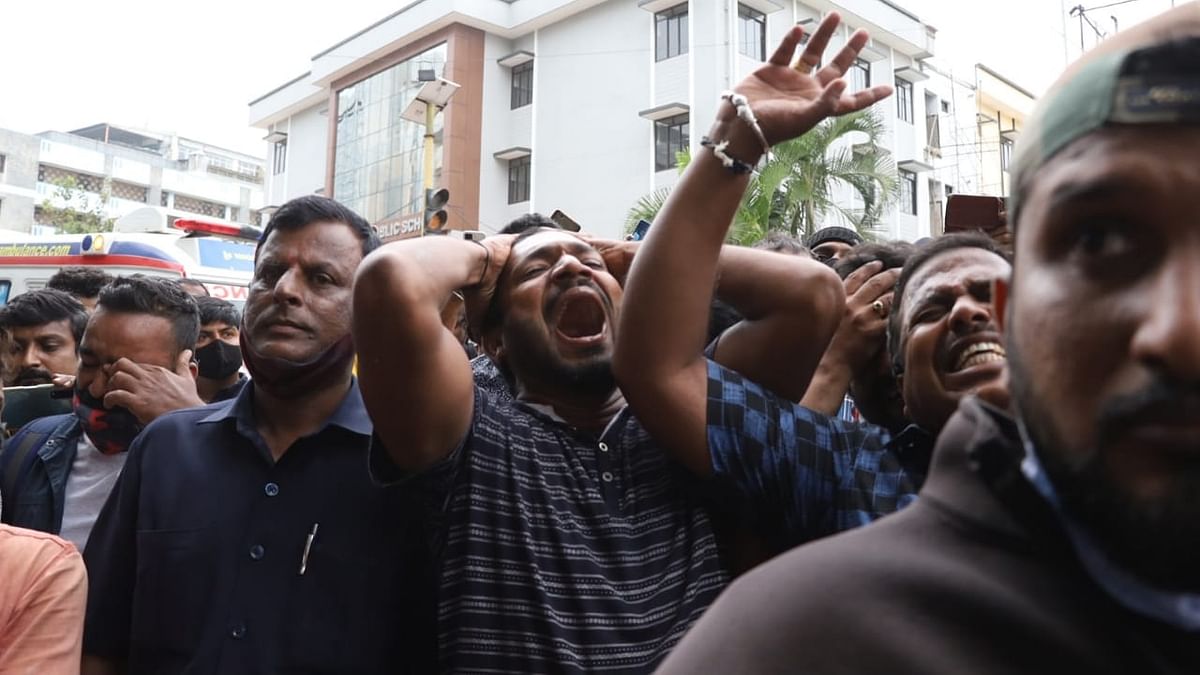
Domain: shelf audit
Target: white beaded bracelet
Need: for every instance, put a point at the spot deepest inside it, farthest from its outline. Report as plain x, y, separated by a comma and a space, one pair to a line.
742, 107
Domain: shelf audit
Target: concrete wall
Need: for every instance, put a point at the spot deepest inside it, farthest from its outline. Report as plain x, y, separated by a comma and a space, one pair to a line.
502, 128
18, 181
307, 149
591, 150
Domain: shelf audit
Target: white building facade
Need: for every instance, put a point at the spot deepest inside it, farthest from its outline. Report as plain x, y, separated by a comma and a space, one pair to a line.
115, 170
571, 105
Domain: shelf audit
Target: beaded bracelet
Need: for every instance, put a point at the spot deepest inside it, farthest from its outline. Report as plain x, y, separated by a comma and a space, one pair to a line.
741, 106
718, 150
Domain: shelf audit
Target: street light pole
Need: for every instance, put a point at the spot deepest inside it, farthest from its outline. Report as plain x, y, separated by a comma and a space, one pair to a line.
430, 111
434, 95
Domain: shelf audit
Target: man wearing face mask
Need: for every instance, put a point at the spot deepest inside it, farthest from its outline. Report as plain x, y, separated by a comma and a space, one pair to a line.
218, 351
246, 536
134, 365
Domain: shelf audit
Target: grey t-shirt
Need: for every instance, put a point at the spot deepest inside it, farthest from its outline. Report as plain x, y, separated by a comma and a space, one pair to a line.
92, 477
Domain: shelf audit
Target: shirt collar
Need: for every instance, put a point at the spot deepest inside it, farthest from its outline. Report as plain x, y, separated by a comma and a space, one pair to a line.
1178, 609
548, 413
350, 415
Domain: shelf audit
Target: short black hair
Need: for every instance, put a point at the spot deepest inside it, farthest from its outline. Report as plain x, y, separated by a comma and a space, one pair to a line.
81, 282
918, 259
892, 254
303, 211
782, 242
213, 310
529, 221
139, 294
186, 282
43, 306
491, 315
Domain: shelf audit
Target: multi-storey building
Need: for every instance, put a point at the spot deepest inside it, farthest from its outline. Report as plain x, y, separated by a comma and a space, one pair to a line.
578, 105
114, 170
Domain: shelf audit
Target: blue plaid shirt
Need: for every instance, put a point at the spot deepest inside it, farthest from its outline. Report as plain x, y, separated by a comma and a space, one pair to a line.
803, 475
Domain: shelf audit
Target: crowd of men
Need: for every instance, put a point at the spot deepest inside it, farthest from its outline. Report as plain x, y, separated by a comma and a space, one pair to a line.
668, 454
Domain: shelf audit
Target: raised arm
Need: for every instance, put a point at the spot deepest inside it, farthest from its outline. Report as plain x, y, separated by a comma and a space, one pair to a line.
415, 377
790, 308
659, 361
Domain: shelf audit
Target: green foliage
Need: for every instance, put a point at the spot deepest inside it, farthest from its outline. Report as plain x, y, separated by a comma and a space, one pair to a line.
794, 190
74, 216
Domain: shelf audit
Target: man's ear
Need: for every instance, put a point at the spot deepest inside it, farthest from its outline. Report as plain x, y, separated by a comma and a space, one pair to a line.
1000, 289
185, 365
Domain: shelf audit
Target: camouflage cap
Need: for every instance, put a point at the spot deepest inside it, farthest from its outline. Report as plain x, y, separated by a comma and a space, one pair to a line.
1149, 74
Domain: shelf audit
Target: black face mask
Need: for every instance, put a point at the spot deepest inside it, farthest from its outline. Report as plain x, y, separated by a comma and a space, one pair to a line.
218, 360
111, 430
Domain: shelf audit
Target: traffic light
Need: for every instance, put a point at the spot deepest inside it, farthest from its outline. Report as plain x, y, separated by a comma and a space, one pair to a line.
435, 213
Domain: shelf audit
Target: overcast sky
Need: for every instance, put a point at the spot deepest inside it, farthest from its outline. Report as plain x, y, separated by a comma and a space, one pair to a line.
192, 67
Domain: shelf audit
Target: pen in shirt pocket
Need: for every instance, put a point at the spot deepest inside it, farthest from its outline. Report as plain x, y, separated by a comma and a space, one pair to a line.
308, 542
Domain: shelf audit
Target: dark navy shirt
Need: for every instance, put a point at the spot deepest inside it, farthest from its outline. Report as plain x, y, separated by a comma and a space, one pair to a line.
195, 561
804, 475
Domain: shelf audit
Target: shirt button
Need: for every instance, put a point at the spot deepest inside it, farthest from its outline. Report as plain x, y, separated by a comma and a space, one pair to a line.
238, 632
606, 476
271, 489
603, 447
257, 552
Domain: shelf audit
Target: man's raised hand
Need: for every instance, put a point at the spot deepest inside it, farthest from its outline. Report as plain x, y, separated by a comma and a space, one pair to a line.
149, 391
478, 297
790, 100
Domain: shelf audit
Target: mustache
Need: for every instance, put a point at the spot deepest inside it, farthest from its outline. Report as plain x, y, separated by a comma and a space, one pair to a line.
557, 291
37, 375
1164, 397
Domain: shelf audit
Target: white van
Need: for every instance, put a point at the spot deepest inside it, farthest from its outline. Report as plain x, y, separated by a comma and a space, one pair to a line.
218, 254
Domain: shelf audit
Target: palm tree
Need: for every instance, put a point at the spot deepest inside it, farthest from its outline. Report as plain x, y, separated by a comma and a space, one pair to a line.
795, 189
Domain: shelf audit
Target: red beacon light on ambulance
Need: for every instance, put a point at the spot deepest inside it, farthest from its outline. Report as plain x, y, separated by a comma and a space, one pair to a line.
244, 232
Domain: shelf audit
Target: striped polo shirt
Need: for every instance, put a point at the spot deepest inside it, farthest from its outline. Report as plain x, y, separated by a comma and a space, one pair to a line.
563, 550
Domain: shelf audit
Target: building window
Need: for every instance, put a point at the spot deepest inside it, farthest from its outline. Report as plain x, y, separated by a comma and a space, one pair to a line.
904, 100
859, 77
945, 106
518, 180
522, 85
908, 192
379, 155
2, 162
671, 137
1006, 153
671, 32
752, 33
279, 161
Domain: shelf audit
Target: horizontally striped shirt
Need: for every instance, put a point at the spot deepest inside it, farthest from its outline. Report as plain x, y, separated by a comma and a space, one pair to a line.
561, 550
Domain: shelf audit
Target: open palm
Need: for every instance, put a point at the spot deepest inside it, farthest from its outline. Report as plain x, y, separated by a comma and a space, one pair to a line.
789, 100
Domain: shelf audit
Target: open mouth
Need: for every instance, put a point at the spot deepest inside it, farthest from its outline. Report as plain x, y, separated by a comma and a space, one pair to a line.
979, 354
580, 315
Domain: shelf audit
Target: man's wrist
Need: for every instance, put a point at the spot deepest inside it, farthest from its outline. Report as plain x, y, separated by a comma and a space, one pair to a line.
481, 263
744, 144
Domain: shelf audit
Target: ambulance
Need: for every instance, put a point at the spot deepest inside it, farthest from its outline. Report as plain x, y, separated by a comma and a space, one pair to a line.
217, 253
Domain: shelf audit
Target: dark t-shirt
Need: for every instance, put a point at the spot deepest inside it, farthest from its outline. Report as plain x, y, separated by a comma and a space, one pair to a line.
562, 550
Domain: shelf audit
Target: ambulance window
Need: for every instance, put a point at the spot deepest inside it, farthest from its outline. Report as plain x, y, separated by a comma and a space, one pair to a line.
5, 287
